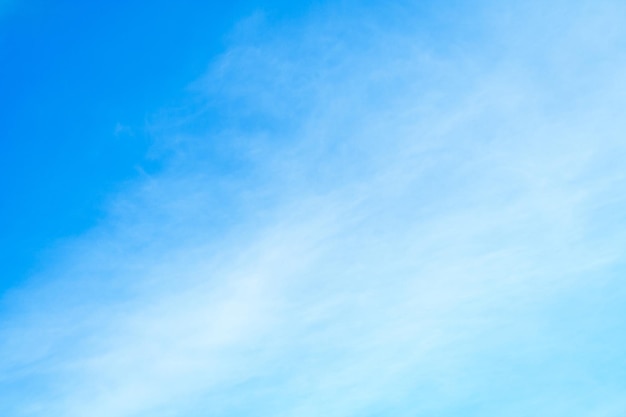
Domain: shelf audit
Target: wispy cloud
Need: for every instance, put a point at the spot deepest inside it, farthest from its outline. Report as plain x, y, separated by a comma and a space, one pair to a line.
380, 219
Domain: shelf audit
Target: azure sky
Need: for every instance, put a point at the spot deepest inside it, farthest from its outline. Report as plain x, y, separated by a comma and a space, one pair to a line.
80, 84
346, 208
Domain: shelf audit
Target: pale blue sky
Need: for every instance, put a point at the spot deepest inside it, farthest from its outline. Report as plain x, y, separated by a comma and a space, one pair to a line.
330, 209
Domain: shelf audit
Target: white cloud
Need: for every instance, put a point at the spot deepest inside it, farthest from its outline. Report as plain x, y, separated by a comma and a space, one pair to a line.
389, 222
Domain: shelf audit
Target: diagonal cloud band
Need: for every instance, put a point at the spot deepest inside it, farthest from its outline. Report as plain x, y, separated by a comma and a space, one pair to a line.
361, 214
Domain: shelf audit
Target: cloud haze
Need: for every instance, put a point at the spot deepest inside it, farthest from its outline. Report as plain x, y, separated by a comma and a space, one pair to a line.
385, 211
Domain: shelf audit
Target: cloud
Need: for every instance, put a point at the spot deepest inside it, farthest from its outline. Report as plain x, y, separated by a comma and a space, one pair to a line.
382, 218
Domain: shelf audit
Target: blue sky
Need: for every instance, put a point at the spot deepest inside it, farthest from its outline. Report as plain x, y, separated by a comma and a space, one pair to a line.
332, 208
80, 83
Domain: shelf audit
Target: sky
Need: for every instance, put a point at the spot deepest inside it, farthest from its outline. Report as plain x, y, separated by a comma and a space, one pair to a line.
331, 208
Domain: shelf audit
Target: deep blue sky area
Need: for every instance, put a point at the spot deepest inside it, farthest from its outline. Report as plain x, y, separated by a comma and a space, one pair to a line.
79, 84
70, 74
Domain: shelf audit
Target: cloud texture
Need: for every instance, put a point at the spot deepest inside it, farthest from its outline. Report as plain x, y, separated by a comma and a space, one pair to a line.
396, 210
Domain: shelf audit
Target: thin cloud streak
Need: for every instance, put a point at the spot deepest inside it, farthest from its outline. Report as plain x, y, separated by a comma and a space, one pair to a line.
387, 223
